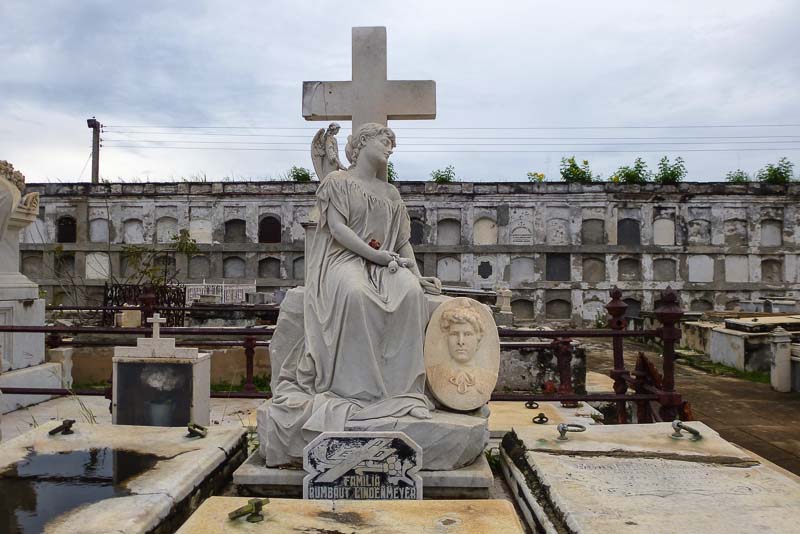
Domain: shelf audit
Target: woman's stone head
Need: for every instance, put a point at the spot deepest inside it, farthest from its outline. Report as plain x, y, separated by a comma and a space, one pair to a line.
462, 325
373, 141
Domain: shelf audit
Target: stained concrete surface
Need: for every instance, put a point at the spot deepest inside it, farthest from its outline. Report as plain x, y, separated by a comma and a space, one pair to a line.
749, 414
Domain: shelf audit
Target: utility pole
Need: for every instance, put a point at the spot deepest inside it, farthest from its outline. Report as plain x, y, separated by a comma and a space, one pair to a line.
95, 125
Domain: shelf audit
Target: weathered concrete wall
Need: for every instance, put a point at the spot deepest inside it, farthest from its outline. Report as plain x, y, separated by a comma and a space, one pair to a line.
559, 247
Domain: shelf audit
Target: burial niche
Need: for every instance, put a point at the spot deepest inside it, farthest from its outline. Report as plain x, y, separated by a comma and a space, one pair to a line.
737, 268
664, 232
594, 269
699, 232
448, 232
32, 264
593, 232
269, 268
558, 309
664, 270
558, 232
64, 265
634, 307
98, 266
199, 267
66, 229
417, 231
629, 233
771, 233
557, 267
269, 230
735, 233
484, 232
701, 268
235, 231
132, 231
485, 269
630, 270
168, 266
448, 269
299, 268
166, 229
701, 305
521, 235
521, 270
522, 310
233, 267
98, 231
771, 271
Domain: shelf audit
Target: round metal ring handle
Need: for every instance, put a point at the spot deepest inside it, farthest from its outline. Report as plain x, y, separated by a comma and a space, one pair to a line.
678, 425
531, 405
540, 419
563, 428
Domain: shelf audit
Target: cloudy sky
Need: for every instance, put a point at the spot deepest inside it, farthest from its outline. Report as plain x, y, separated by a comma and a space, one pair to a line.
539, 80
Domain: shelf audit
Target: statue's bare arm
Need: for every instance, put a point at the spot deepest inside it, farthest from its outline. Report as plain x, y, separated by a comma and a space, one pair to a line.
346, 237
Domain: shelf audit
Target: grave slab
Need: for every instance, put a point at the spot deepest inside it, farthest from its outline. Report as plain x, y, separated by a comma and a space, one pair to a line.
636, 478
287, 516
506, 416
254, 478
178, 474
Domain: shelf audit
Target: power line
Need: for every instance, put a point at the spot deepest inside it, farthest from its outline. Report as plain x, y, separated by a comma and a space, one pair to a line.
281, 136
687, 126
457, 144
773, 149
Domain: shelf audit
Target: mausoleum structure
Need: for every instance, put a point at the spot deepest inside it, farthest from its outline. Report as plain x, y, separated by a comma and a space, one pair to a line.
558, 247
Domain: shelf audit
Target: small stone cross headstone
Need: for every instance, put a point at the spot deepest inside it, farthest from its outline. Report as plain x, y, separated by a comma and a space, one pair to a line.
362, 466
156, 320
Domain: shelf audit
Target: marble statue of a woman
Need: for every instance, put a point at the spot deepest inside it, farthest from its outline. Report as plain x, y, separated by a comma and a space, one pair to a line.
364, 310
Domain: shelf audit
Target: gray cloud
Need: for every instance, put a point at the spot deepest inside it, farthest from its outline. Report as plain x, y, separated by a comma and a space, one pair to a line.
511, 64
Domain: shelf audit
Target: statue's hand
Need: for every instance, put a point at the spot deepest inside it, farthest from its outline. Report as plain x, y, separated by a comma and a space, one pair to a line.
383, 257
431, 285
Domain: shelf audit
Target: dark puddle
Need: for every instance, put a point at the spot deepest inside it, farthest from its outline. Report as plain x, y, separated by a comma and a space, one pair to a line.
43, 486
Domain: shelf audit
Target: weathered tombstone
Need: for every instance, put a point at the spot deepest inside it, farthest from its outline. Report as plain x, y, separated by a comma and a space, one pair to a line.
159, 384
462, 354
362, 466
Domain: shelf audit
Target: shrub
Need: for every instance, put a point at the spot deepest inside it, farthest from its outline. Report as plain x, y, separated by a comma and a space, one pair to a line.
573, 173
536, 177
299, 174
737, 177
777, 174
638, 174
670, 173
444, 176
391, 174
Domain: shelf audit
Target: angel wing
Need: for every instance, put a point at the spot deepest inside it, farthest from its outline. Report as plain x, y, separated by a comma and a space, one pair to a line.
318, 152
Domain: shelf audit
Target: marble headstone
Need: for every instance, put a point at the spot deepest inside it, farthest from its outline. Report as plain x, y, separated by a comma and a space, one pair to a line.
462, 354
362, 466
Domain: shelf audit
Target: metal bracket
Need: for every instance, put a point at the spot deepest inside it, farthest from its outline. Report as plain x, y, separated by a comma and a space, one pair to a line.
196, 431
64, 428
252, 510
531, 405
540, 419
563, 428
678, 425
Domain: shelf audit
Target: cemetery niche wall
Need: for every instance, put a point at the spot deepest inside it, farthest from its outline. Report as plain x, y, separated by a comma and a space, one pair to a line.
741, 243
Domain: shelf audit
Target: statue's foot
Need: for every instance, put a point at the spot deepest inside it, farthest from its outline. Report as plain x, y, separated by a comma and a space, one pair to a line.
420, 413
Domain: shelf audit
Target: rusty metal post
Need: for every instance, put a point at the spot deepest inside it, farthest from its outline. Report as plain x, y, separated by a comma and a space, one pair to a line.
147, 300
669, 314
249, 354
562, 348
616, 310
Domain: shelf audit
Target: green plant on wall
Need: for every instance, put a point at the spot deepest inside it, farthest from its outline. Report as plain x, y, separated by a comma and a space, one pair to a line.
573, 173
670, 173
535, 177
781, 173
637, 174
444, 176
299, 174
737, 177
149, 265
391, 173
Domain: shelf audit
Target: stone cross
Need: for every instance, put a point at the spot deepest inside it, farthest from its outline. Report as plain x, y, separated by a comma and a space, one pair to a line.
369, 96
156, 320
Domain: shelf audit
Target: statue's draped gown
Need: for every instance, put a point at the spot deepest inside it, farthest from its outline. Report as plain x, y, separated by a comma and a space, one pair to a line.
364, 327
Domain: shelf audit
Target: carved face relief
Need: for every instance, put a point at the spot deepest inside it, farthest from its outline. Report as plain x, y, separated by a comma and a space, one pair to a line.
462, 342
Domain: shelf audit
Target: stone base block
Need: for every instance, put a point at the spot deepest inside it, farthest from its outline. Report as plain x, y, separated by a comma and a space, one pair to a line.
285, 516
47, 375
255, 479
